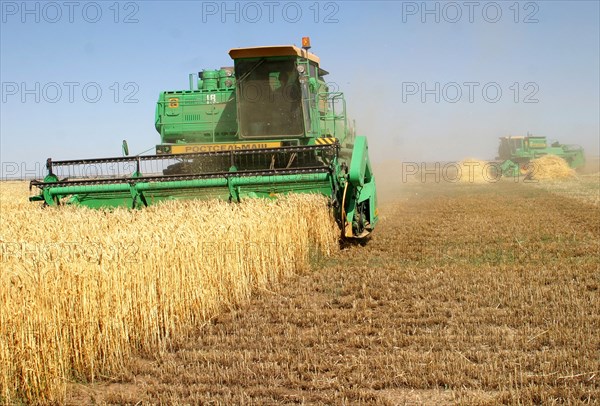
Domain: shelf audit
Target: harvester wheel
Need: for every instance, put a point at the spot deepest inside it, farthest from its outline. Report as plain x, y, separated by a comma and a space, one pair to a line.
360, 218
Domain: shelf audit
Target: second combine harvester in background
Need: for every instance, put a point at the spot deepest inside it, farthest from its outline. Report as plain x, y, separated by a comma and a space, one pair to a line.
267, 126
516, 153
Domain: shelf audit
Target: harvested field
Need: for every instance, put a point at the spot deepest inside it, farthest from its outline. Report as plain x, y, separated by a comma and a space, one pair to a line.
586, 188
466, 294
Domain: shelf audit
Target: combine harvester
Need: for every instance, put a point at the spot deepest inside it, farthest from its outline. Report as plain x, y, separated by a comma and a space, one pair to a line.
267, 126
515, 153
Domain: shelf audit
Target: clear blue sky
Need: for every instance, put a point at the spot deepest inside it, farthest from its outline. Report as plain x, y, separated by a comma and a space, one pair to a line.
384, 55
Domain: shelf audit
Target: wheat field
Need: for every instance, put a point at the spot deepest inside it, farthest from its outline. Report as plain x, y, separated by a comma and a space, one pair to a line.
467, 294
82, 291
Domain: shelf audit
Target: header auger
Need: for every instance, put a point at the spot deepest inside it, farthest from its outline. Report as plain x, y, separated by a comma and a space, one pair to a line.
267, 126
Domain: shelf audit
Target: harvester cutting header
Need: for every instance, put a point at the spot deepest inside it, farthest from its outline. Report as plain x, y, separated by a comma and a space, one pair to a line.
267, 126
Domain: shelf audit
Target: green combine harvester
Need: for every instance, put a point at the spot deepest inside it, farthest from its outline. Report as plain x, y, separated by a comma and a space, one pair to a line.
515, 153
267, 126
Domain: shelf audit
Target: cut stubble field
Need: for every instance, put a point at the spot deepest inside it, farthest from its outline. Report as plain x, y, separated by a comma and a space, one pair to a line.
466, 294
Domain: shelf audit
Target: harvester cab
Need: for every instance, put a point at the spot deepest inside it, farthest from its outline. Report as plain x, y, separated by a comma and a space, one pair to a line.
267, 126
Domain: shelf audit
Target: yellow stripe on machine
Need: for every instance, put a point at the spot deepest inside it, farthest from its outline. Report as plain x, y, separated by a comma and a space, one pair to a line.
325, 141
192, 148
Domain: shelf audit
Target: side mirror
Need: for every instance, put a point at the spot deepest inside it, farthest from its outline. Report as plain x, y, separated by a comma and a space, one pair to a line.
125, 148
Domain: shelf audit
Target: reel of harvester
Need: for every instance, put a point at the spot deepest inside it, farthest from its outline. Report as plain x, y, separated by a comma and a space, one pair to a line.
229, 175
